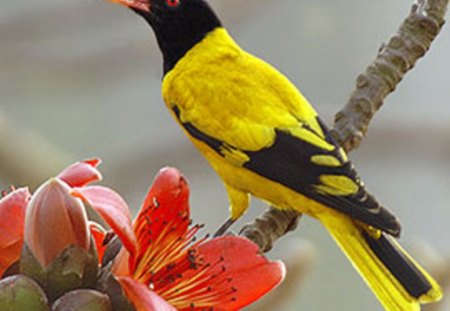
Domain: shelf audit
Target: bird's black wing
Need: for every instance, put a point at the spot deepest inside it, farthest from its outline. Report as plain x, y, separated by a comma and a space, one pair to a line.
325, 176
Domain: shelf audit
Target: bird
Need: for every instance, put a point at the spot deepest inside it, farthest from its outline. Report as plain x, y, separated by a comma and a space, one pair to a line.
264, 139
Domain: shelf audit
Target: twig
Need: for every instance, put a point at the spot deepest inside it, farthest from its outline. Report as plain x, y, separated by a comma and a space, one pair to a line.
270, 226
394, 60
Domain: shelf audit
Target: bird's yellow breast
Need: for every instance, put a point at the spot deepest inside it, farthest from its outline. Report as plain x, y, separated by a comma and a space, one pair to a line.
236, 98
217, 78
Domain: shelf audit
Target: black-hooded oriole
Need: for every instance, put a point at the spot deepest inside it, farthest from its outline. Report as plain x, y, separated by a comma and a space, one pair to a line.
263, 138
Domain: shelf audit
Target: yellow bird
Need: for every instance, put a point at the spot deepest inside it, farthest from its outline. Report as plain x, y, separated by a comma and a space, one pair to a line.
263, 138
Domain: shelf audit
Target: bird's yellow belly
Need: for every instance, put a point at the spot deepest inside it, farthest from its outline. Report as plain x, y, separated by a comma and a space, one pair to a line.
245, 180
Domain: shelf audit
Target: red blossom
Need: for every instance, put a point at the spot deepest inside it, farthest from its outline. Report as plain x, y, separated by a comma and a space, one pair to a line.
162, 266
226, 273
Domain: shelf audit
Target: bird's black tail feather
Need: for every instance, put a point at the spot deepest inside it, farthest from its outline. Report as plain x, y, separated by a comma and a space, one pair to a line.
403, 268
396, 279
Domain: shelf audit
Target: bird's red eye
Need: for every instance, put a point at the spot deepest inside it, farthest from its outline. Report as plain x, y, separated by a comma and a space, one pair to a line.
173, 3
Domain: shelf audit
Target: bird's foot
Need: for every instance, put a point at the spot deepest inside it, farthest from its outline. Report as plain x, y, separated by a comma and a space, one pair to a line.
224, 228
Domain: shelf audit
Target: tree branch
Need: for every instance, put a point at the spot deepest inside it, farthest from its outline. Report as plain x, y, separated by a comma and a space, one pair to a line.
394, 60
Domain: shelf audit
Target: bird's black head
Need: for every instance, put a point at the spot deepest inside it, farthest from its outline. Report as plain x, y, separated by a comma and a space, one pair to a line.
178, 24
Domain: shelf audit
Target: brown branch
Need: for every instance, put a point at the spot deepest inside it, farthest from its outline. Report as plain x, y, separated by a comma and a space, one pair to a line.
394, 60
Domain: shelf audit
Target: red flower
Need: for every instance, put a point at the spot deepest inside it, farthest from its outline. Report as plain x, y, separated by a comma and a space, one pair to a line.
162, 267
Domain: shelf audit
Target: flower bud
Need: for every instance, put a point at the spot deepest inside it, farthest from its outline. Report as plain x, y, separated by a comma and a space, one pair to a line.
19, 293
54, 221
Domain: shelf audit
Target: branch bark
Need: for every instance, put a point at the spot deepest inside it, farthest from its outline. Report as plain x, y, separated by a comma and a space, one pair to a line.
394, 60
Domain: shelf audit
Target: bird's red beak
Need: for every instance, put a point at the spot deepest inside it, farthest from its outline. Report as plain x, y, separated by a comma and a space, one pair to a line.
142, 5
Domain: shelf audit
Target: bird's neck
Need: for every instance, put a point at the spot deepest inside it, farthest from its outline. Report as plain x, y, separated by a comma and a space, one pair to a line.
177, 36
174, 45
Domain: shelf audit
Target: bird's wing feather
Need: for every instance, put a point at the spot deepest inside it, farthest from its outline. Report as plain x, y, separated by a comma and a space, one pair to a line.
304, 158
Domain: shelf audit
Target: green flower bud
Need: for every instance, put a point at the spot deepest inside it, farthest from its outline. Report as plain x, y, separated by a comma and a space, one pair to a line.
20, 293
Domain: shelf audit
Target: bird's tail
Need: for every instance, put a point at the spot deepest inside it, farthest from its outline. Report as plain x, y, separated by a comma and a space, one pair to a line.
397, 280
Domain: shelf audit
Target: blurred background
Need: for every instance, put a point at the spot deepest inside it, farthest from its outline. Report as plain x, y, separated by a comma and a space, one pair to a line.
81, 79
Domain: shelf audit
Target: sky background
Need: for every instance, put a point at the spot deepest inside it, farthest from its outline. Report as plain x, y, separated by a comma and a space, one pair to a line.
84, 78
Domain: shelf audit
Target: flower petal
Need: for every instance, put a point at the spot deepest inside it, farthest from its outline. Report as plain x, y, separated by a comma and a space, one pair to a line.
99, 234
12, 220
9, 255
165, 203
252, 275
81, 173
161, 226
142, 298
113, 209
233, 275
121, 266
12, 216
